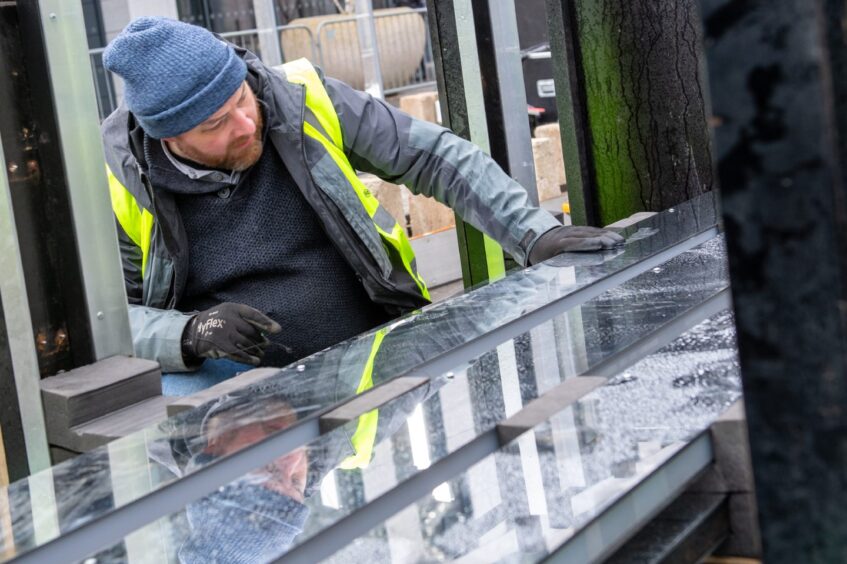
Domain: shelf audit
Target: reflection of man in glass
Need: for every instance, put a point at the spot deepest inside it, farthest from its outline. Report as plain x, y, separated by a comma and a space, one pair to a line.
285, 475
259, 515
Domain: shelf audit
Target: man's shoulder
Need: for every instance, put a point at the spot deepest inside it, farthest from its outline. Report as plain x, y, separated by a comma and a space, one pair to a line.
117, 148
115, 122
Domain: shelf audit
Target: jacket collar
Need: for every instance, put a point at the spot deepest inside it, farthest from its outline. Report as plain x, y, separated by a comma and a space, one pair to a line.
131, 153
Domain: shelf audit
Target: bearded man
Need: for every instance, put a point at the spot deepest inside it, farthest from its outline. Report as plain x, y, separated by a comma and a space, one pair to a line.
245, 231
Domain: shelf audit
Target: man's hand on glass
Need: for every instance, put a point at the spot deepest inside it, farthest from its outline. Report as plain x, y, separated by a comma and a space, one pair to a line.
566, 239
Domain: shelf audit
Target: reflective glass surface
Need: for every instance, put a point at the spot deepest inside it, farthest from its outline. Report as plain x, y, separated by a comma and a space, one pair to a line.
60, 499
422, 427
528, 499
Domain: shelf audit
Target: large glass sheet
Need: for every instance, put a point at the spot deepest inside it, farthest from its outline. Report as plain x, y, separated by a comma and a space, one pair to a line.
528, 499
418, 430
93, 484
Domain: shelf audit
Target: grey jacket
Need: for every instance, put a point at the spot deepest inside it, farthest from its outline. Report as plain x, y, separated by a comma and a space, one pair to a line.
378, 138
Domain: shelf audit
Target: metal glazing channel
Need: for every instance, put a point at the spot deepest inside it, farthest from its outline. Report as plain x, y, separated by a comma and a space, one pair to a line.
618, 522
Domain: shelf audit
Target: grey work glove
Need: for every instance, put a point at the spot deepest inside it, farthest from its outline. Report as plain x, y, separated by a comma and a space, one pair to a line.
566, 239
233, 331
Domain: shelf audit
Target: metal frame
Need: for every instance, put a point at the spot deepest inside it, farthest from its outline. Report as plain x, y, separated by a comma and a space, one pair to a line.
479, 103
356, 18
368, 49
82, 152
505, 105
573, 115
24, 374
269, 40
283, 28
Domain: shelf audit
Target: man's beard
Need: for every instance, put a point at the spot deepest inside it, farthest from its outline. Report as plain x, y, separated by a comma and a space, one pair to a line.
236, 158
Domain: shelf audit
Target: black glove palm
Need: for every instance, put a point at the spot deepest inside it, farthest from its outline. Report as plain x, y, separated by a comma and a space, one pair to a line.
573, 238
233, 331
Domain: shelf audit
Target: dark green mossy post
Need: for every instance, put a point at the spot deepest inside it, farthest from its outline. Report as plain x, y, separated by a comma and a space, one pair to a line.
632, 105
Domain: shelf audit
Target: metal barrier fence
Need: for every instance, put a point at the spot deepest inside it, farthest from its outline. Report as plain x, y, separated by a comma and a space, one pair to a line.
403, 43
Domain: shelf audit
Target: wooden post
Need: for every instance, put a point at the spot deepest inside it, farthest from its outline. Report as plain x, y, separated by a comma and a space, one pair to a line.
779, 146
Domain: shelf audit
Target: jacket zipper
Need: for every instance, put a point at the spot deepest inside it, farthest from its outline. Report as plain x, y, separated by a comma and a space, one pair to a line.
386, 285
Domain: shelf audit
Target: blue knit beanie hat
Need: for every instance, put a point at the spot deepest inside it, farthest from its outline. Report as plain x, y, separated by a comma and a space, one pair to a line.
175, 74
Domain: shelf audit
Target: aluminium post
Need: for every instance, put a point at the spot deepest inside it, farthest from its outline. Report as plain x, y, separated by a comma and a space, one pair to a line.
477, 62
452, 32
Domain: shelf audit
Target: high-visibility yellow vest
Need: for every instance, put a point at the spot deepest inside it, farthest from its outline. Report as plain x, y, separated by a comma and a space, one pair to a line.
136, 221
322, 124
365, 435
319, 105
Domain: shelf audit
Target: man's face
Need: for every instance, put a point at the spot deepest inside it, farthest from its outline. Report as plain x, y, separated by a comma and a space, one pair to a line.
287, 474
230, 139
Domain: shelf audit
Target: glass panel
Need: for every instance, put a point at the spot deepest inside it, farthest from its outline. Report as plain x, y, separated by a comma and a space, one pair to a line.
419, 429
528, 499
89, 486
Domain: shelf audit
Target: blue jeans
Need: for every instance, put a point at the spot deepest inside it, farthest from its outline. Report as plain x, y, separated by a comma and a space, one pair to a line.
212, 372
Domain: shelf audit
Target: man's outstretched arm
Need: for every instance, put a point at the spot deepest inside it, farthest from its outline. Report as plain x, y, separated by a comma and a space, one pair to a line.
432, 161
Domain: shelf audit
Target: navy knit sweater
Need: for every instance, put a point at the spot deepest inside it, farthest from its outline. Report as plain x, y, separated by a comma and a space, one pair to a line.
262, 244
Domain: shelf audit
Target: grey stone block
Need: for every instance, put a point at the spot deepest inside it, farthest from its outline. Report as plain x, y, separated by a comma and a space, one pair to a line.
744, 539
733, 471
178, 405
102, 430
117, 424
96, 390
732, 449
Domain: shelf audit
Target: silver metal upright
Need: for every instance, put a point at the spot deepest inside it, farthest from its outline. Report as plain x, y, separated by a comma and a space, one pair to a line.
268, 33
498, 49
82, 152
18, 323
366, 28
